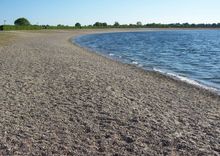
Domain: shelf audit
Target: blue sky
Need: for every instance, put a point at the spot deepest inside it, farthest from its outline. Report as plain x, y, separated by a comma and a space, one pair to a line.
86, 12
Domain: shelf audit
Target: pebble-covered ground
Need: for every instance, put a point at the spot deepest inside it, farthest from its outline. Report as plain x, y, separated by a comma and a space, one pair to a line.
59, 99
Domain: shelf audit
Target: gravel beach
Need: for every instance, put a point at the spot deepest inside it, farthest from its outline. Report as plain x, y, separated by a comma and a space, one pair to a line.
59, 99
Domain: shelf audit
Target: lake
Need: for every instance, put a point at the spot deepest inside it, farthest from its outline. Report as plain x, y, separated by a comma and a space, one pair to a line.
189, 55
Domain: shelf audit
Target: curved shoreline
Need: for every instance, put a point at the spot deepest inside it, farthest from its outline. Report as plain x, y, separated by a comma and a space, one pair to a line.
200, 85
59, 99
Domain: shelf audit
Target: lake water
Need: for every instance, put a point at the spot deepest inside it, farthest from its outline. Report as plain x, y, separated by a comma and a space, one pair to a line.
189, 55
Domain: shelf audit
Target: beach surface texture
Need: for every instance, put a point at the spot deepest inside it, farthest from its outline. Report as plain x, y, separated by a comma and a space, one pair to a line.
59, 99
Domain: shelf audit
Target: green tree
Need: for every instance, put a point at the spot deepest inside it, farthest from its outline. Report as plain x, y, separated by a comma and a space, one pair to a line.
116, 24
99, 24
60, 25
22, 22
104, 24
78, 25
139, 23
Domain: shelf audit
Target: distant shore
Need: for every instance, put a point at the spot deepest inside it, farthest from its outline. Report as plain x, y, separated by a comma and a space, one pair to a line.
60, 99
104, 25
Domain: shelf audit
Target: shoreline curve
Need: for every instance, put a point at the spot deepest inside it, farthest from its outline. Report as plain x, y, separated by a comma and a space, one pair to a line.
173, 76
59, 99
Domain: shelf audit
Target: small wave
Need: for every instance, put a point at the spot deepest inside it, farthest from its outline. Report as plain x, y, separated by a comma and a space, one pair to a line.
140, 65
111, 54
185, 79
135, 62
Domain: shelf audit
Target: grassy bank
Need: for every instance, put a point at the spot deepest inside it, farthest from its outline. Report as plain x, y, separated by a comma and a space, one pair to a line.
32, 27
13, 27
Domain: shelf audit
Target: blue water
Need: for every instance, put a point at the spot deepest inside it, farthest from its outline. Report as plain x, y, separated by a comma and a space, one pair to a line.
190, 55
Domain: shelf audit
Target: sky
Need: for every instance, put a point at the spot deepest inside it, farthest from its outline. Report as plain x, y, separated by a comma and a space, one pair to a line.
68, 12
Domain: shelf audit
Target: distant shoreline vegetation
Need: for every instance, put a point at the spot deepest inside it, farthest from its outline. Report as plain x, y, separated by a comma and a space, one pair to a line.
24, 24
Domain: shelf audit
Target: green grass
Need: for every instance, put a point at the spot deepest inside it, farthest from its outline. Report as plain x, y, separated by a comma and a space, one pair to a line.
13, 27
32, 27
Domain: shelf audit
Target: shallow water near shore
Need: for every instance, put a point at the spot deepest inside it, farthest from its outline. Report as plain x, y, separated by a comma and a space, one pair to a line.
192, 56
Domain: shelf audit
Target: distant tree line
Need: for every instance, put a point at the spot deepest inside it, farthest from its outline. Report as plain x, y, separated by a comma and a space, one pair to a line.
99, 24
183, 25
24, 24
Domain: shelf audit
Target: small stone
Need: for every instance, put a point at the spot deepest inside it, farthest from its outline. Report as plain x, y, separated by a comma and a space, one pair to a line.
165, 142
128, 139
70, 119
